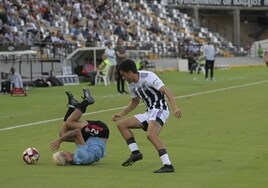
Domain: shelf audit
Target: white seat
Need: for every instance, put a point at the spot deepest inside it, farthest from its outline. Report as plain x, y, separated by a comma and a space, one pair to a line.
100, 77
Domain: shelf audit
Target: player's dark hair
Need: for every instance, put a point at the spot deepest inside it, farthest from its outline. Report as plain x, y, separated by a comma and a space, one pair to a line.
128, 65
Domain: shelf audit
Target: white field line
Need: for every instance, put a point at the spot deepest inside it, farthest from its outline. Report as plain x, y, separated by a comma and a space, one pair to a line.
118, 108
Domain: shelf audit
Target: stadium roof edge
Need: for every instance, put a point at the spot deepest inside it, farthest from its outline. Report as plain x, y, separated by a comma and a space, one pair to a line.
220, 7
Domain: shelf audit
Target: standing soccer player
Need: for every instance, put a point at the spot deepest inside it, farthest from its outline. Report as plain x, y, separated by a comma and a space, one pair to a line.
145, 85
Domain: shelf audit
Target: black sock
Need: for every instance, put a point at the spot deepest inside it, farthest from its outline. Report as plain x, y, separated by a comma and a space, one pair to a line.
135, 152
83, 106
130, 140
162, 152
68, 113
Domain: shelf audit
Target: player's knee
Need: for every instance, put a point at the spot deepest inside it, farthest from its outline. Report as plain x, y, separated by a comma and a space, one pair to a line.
120, 126
149, 135
68, 123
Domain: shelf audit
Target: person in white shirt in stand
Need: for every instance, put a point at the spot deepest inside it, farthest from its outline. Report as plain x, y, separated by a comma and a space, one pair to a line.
209, 53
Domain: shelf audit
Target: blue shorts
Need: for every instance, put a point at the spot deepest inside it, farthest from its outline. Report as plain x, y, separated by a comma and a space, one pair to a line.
92, 151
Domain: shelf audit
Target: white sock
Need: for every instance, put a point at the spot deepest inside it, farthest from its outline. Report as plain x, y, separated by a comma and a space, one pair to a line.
165, 159
133, 147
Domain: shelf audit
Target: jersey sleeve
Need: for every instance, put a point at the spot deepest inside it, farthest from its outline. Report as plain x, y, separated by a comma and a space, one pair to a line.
131, 88
154, 81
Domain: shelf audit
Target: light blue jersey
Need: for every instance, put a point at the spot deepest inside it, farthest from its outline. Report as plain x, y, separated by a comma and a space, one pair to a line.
92, 151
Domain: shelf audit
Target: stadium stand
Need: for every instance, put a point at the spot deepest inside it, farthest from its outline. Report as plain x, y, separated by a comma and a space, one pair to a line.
158, 27
54, 29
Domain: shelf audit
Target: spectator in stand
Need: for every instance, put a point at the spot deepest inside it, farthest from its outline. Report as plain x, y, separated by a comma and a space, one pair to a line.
18, 40
155, 27
121, 31
30, 25
3, 15
47, 40
60, 37
91, 14
57, 41
11, 19
27, 39
37, 38
8, 36
1, 26
132, 29
85, 32
75, 31
47, 14
54, 38
23, 12
77, 9
90, 41
96, 34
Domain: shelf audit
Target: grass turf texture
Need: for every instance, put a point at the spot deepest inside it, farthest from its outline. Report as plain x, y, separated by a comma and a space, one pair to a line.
221, 140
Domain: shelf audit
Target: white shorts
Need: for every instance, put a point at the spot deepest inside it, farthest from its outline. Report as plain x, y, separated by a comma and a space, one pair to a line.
154, 114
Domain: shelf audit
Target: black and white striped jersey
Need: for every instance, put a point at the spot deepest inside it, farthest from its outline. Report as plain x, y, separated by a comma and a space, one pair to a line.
147, 89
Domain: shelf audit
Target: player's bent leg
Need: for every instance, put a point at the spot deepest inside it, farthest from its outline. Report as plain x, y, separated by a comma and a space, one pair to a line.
75, 116
63, 129
154, 129
125, 125
76, 125
73, 121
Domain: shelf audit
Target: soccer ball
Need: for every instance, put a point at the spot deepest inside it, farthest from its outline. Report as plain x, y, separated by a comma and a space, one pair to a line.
31, 156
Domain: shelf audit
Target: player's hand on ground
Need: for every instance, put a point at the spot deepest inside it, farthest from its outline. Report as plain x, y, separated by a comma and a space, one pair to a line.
54, 145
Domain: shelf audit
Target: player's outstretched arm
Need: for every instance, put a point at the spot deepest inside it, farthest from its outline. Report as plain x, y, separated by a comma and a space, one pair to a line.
171, 99
75, 135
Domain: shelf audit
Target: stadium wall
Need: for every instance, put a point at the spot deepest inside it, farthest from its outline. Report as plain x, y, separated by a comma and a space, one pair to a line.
241, 22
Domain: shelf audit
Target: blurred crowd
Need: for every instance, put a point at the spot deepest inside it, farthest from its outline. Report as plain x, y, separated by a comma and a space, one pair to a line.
32, 22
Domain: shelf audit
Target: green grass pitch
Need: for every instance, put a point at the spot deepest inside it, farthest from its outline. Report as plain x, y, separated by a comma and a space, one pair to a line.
220, 141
